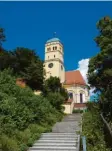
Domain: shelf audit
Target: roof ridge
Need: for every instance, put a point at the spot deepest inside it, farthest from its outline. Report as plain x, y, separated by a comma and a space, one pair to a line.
72, 70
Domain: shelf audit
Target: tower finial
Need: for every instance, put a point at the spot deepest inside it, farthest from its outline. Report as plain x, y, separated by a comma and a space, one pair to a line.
54, 34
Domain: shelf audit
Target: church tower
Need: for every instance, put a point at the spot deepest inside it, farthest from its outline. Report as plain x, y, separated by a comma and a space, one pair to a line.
54, 62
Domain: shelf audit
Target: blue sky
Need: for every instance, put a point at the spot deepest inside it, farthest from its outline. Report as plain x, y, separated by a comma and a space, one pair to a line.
31, 24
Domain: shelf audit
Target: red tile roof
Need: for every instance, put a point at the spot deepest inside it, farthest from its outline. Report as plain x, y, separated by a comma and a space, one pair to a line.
74, 77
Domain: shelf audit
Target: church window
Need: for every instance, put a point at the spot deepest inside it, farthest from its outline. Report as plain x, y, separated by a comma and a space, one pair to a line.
55, 48
81, 98
50, 65
54, 56
70, 95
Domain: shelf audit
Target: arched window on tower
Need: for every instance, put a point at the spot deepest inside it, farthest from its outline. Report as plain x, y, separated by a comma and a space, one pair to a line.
55, 48
49, 49
81, 98
54, 56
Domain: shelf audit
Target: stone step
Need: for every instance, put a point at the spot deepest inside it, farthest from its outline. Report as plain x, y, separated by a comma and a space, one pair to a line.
56, 141
59, 136
55, 144
42, 138
51, 148
64, 134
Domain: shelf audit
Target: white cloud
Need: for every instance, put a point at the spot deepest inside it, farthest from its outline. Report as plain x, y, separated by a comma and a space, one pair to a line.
83, 68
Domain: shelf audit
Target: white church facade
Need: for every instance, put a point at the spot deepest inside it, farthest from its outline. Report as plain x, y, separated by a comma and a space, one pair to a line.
71, 80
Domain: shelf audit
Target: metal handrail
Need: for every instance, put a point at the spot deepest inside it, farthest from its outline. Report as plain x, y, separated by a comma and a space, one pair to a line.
84, 143
107, 125
78, 148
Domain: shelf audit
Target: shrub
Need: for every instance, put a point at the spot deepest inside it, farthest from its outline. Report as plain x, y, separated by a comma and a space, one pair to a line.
24, 116
56, 100
8, 144
77, 111
92, 128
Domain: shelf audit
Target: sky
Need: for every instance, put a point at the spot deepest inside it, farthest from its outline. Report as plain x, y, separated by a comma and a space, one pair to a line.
31, 24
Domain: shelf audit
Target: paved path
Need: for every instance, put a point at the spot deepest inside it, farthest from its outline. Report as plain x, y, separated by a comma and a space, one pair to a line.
63, 137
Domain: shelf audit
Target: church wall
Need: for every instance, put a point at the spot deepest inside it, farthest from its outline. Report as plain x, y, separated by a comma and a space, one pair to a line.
54, 71
84, 92
53, 44
55, 57
67, 108
76, 90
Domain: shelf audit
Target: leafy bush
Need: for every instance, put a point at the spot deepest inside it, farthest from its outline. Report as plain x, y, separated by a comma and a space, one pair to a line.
24, 116
56, 100
8, 144
77, 111
92, 128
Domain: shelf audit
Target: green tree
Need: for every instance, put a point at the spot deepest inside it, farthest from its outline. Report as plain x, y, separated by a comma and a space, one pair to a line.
2, 37
53, 85
25, 64
100, 66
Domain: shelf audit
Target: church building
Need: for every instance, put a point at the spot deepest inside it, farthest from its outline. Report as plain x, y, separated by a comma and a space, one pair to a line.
72, 81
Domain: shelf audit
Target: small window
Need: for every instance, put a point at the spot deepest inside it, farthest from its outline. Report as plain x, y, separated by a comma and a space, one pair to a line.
48, 57
70, 95
49, 49
55, 48
81, 98
54, 56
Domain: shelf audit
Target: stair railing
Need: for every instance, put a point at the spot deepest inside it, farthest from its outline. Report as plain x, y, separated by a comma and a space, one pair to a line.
84, 143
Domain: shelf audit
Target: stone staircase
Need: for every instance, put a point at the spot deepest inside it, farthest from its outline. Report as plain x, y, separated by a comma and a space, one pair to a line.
63, 137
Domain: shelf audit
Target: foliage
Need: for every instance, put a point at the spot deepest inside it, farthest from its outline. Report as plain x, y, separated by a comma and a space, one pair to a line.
92, 128
56, 100
53, 85
2, 37
77, 111
24, 116
100, 66
25, 64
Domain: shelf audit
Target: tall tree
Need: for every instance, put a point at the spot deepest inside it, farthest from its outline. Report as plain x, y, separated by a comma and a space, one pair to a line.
100, 66
25, 64
53, 85
2, 37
